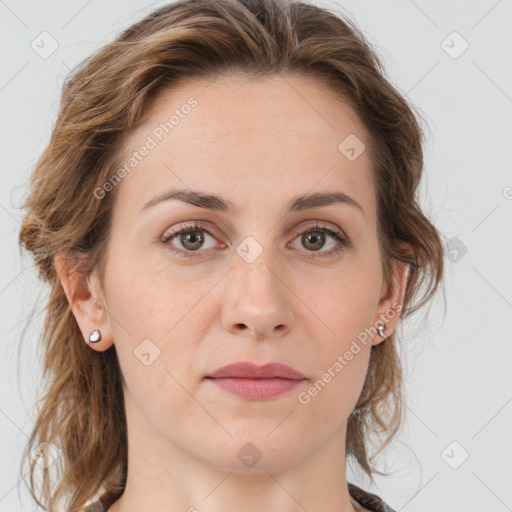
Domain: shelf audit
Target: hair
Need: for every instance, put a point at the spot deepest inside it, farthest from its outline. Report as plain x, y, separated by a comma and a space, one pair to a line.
81, 412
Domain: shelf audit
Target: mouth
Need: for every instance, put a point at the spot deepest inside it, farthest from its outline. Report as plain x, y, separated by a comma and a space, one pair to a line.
255, 389
253, 382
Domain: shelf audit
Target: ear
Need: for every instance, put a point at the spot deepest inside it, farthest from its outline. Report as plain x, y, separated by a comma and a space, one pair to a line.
85, 298
392, 297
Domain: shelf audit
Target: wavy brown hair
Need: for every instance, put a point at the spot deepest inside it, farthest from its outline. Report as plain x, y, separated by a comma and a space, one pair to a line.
81, 413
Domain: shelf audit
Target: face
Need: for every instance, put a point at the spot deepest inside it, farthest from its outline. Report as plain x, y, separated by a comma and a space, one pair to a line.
259, 277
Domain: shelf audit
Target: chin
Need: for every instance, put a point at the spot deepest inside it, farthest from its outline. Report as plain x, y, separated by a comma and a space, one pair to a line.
255, 453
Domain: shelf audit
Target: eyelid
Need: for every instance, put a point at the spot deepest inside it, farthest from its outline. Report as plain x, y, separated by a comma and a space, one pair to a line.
315, 224
194, 224
205, 225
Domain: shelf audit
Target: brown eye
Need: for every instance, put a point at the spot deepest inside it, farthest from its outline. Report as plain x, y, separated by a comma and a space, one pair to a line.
189, 240
313, 240
192, 240
317, 237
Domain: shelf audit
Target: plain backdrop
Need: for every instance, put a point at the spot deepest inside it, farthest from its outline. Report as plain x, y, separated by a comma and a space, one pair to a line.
453, 61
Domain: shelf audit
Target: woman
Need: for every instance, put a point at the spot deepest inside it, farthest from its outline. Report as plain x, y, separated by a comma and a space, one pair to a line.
226, 214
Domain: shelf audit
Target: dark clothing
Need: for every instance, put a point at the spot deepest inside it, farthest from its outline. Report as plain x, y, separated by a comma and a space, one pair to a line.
368, 500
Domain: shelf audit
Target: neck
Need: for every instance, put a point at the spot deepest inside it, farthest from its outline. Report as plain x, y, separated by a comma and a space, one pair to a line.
162, 477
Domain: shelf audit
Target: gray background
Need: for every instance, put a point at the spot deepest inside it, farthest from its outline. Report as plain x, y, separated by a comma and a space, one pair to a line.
458, 370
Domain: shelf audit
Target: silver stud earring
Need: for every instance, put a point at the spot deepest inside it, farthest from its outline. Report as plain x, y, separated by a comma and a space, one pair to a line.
380, 328
95, 336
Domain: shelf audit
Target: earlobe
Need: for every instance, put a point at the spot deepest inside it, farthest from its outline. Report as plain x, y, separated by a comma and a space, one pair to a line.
84, 295
391, 303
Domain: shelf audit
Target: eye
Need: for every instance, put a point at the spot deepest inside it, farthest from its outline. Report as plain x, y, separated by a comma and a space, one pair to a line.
191, 237
315, 238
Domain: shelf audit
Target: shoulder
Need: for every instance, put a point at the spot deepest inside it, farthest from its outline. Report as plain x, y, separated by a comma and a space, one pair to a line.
368, 500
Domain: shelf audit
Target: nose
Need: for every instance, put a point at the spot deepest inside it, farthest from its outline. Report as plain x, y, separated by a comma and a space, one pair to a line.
258, 299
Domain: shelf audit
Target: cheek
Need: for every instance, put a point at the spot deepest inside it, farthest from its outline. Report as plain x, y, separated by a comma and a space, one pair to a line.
343, 305
333, 393
345, 313
148, 301
155, 330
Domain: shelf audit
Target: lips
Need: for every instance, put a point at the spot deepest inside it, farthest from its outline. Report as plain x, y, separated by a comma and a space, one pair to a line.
248, 370
252, 382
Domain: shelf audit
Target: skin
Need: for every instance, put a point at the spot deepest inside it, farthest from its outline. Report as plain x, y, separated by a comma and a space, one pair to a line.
256, 144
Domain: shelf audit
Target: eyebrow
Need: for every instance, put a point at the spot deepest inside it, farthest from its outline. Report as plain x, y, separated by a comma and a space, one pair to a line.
216, 203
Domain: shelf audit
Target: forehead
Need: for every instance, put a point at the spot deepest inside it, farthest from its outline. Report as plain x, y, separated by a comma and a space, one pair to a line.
248, 137
231, 102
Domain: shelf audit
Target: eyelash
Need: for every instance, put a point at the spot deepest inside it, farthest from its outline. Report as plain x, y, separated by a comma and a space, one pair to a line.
197, 226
